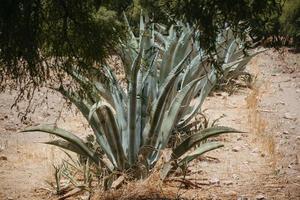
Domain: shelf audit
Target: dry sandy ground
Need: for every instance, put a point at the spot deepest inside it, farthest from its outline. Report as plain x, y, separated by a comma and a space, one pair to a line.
262, 163
29, 163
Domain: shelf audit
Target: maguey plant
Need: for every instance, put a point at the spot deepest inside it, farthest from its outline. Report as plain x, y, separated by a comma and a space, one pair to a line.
169, 76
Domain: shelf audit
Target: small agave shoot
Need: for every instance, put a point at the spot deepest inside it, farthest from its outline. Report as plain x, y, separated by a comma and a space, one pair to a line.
168, 79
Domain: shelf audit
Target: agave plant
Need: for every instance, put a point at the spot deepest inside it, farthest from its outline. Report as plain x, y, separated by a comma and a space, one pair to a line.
169, 77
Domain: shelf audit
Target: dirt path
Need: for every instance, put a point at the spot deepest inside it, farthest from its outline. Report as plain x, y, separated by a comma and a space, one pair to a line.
262, 163
257, 164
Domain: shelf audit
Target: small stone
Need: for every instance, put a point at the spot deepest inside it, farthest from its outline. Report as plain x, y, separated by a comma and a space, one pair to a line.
3, 158
231, 193
255, 150
235, 176
224, 95
285, 132
236, 149
215, 181
260, 197
203, 182
289, 116
228, 182
242, 198
213, 197
1, 148
85, 196
10, 198
298, 138
262, 155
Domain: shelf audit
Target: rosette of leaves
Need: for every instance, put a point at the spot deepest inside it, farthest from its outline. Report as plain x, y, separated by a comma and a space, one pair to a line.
169, 78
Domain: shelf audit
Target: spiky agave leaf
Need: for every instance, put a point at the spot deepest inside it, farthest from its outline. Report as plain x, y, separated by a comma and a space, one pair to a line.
209, 146
128, 48
158, 104
164, 128
111, 131
66, 145
85, 109
234, 68
132, 106
192, 140
206, 86
170, 118
203, 148
68, 137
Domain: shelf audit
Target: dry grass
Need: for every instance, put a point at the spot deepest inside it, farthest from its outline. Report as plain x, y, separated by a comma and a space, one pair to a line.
151, 188
258, 124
